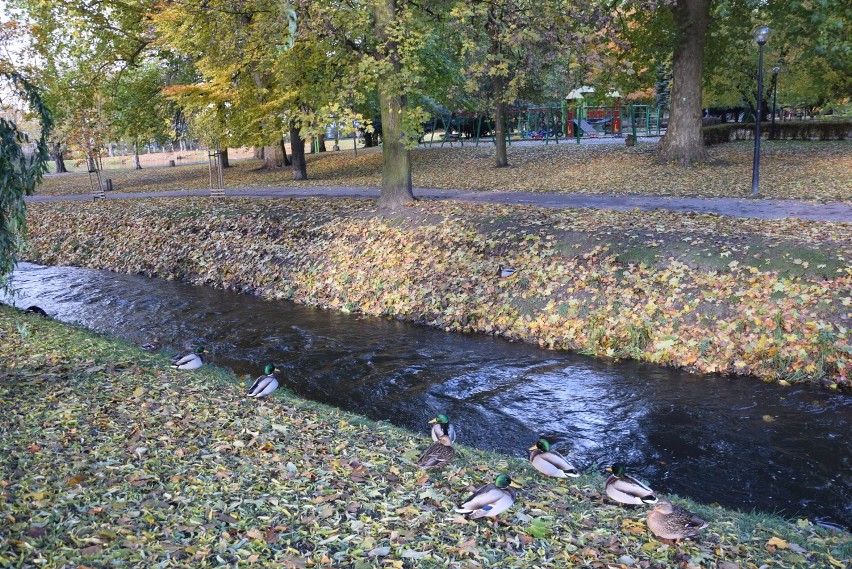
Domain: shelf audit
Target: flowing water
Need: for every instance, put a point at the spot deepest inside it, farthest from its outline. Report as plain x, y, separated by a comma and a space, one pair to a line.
739, 442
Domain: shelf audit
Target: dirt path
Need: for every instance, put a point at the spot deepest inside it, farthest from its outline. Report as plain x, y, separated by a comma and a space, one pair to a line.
732, 207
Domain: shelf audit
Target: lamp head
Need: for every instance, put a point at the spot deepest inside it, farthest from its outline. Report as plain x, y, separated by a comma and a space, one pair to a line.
761, 34
776, 69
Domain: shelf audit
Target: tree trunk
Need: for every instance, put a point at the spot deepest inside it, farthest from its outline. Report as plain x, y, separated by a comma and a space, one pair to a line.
499, 87
258, 153
273, 156
287, 161
396, 158
58, 159
500, 134
683, 142
297, 150
369, 139
223, 156
136, 164
322, 147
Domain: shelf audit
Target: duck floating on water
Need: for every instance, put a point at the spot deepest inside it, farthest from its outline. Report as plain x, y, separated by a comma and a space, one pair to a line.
549, 462
668, 521
490, 500
441, 427
265, 384
625, 489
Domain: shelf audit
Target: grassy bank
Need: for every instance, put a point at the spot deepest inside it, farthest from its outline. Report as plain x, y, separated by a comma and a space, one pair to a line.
789, 170
110, 458
707, 293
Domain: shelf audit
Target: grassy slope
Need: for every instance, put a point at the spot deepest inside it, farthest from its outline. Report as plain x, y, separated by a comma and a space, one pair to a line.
805, 170
109, 458
768, 298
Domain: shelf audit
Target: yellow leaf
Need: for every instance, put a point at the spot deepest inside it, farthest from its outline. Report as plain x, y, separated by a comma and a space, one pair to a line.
777, 542
254, 533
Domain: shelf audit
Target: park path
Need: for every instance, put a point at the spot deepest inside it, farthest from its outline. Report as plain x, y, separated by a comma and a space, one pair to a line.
732, 207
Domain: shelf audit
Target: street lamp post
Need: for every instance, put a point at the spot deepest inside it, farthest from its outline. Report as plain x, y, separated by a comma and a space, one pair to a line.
761, 34
775, 71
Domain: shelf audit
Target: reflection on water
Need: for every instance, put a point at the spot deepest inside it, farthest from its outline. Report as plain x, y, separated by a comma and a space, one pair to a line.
700, 436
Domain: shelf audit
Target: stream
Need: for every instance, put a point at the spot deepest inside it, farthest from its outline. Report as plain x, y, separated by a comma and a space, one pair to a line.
740, 443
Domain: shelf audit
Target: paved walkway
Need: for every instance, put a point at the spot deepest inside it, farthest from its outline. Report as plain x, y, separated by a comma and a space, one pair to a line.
733, 207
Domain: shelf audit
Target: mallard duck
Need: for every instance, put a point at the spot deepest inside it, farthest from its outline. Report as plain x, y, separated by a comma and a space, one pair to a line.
193, 360
180, 355
491, 499
438, 455
549, 462
265, 384
442, 427
667, 521
506, 272
625, 489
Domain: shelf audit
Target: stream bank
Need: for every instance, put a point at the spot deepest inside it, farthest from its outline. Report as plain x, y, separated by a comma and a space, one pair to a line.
700, 292
109, 457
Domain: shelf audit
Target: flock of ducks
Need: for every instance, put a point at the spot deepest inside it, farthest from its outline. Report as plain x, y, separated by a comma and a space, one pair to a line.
666, 520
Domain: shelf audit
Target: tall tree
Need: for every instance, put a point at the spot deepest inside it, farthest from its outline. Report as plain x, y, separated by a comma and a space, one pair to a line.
136, 110
511, 49
396, 58
711, 46
396, 157
683, 142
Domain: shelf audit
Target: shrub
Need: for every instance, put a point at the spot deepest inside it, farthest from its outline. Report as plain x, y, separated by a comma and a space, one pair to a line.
793, 130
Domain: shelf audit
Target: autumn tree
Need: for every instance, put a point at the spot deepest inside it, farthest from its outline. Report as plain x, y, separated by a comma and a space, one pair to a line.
136, 109
79, 46
711, 49
396, 57
510, 48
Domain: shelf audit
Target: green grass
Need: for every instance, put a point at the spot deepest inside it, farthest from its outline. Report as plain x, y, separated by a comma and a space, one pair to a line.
117, 460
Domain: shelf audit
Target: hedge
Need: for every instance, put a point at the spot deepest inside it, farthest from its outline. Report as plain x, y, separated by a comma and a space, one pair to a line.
790, 130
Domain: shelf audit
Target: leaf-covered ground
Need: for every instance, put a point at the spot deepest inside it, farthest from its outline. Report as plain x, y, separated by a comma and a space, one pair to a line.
703, 292
108, 458
789, 170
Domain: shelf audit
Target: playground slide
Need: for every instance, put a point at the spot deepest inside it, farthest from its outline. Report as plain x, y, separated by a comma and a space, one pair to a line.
587, 128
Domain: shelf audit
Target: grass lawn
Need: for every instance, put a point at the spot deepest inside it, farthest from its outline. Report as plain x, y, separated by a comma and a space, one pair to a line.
108, 458
789, 169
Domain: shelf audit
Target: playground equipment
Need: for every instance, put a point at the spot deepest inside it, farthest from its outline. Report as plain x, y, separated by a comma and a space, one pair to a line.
545, 124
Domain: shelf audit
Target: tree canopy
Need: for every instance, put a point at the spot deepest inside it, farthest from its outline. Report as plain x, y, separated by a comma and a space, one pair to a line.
252, 72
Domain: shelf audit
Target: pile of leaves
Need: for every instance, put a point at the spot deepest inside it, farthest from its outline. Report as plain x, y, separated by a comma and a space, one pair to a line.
703, 292
110, 458
789, 170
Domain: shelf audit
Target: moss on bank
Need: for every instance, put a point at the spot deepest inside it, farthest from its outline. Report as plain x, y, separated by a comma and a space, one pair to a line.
702, 292
110, 458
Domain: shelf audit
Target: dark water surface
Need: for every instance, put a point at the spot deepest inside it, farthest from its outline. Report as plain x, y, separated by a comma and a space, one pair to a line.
739, 442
